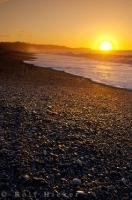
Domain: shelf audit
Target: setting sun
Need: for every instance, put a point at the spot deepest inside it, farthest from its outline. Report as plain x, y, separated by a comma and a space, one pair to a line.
106, 43
106, 46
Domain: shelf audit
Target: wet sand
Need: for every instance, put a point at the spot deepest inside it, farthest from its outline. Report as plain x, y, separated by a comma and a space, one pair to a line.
62, 134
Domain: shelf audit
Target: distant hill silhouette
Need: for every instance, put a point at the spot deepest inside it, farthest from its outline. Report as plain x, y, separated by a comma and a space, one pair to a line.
26, 47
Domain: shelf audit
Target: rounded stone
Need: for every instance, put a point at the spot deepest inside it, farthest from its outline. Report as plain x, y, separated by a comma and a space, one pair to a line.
77, 181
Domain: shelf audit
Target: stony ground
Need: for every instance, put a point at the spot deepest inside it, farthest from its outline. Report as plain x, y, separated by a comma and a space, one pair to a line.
61, 136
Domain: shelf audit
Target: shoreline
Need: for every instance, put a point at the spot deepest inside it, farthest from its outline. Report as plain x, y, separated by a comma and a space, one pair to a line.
81, 77
75, 73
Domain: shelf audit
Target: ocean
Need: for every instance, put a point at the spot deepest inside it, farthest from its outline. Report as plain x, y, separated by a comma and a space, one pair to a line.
110, 73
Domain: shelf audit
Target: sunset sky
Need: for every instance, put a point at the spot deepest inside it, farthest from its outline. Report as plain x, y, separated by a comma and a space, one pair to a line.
75, 23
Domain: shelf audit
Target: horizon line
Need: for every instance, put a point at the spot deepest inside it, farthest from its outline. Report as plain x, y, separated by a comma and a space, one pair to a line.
60, 45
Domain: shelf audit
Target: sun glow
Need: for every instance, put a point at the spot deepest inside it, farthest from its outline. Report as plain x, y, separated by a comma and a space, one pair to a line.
106, 43
106, 46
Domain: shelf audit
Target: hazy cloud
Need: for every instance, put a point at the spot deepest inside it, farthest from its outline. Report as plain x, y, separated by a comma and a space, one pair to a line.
4, 35
3, 1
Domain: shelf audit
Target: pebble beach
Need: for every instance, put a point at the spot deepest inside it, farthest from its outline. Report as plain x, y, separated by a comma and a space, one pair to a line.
62, 136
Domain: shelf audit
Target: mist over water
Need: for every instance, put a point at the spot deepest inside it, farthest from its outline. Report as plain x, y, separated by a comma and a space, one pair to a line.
113, 74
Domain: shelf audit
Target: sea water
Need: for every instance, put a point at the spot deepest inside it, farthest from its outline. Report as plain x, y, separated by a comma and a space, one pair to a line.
109, 73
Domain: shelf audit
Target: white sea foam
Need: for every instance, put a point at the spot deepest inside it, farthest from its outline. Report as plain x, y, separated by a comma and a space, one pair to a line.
114, 74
